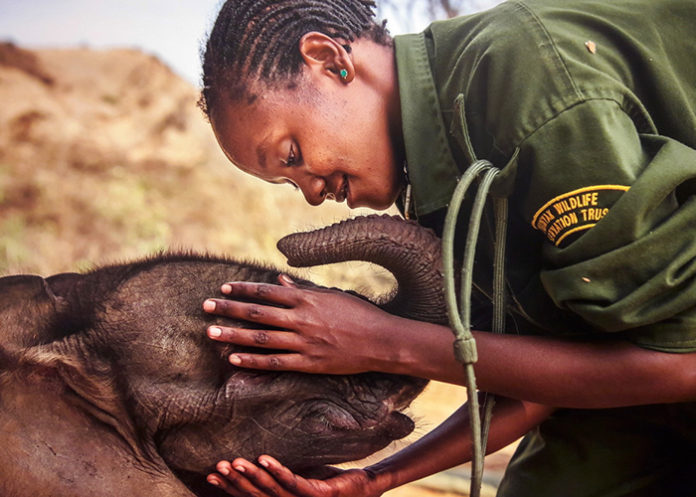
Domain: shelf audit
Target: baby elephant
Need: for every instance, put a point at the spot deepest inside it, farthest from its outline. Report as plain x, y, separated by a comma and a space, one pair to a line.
110, 387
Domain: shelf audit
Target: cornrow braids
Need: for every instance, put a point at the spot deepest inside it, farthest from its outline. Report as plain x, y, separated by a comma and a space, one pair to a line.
258, 40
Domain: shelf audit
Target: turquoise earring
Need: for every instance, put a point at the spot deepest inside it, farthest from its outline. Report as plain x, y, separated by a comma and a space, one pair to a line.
343, 73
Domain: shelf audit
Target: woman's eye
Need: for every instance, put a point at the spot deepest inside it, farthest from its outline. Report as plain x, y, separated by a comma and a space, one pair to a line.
292, 157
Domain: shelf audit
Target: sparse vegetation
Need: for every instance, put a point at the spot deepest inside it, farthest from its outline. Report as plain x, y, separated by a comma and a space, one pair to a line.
114, 161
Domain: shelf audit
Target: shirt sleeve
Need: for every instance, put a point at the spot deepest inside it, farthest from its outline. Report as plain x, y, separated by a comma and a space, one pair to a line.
618, 212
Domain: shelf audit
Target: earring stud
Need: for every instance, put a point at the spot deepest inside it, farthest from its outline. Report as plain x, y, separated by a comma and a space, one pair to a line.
343, 73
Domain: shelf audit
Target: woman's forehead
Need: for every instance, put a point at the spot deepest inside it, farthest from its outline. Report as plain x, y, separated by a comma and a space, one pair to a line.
271, 110
246, 132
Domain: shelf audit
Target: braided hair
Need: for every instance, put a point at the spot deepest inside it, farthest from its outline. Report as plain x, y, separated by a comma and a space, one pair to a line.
258, 41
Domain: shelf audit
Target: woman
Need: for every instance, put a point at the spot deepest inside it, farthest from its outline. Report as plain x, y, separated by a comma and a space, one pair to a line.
587, 110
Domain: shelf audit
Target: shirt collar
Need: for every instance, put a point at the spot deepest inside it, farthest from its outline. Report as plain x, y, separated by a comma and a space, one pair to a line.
431, 168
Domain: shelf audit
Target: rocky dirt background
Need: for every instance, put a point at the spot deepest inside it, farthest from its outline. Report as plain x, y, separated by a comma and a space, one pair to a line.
105, 157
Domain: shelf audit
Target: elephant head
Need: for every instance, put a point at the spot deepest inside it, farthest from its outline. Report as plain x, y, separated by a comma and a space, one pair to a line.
123, 351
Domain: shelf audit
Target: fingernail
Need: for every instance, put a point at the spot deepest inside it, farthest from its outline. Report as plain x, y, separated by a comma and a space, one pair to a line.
226, 288
235, 359
224, 471
241, 469
213, 481
264, 463
209, 305
287, 278
214, 332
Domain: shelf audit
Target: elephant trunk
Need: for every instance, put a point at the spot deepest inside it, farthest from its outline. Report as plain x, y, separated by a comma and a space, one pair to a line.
410, 252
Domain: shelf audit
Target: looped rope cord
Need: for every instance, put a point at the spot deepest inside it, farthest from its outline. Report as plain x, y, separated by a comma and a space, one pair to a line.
460, 315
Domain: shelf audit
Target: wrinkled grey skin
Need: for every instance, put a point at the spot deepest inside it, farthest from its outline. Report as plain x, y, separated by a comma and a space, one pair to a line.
109, 385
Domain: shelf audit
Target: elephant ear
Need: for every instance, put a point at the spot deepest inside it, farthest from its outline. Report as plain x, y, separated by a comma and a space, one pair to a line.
28, 312
91, 384
42, 334
79, 413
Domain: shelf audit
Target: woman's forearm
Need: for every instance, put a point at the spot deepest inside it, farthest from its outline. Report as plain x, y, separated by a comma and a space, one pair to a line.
550, 371
583, 374
436, 451
329, 332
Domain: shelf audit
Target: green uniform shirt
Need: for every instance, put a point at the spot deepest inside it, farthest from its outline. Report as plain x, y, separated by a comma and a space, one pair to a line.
589, 109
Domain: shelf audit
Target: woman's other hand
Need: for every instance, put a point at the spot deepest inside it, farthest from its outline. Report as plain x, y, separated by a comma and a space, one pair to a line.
241, 478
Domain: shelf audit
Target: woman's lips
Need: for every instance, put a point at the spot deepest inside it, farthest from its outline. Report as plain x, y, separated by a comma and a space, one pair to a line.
342, 191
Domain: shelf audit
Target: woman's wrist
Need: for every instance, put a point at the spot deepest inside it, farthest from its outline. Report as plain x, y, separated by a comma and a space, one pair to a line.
420, 349
381, 477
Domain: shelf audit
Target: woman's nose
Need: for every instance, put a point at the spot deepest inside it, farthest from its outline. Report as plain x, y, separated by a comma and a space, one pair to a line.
314, 189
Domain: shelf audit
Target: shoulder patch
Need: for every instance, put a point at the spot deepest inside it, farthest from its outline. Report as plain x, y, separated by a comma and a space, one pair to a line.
575, 211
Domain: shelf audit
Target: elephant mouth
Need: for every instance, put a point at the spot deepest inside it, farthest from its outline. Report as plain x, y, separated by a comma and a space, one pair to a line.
388, 421
392, 421
398, 425
349, 439
378, 416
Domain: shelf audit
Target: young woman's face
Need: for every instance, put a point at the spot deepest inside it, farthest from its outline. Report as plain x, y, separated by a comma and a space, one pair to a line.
332, 141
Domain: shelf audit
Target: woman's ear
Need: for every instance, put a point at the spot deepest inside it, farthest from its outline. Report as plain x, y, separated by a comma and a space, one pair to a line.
327, 56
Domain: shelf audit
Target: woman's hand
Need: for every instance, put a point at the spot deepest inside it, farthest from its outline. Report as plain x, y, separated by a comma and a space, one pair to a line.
317, 330
447, 446
241, 478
